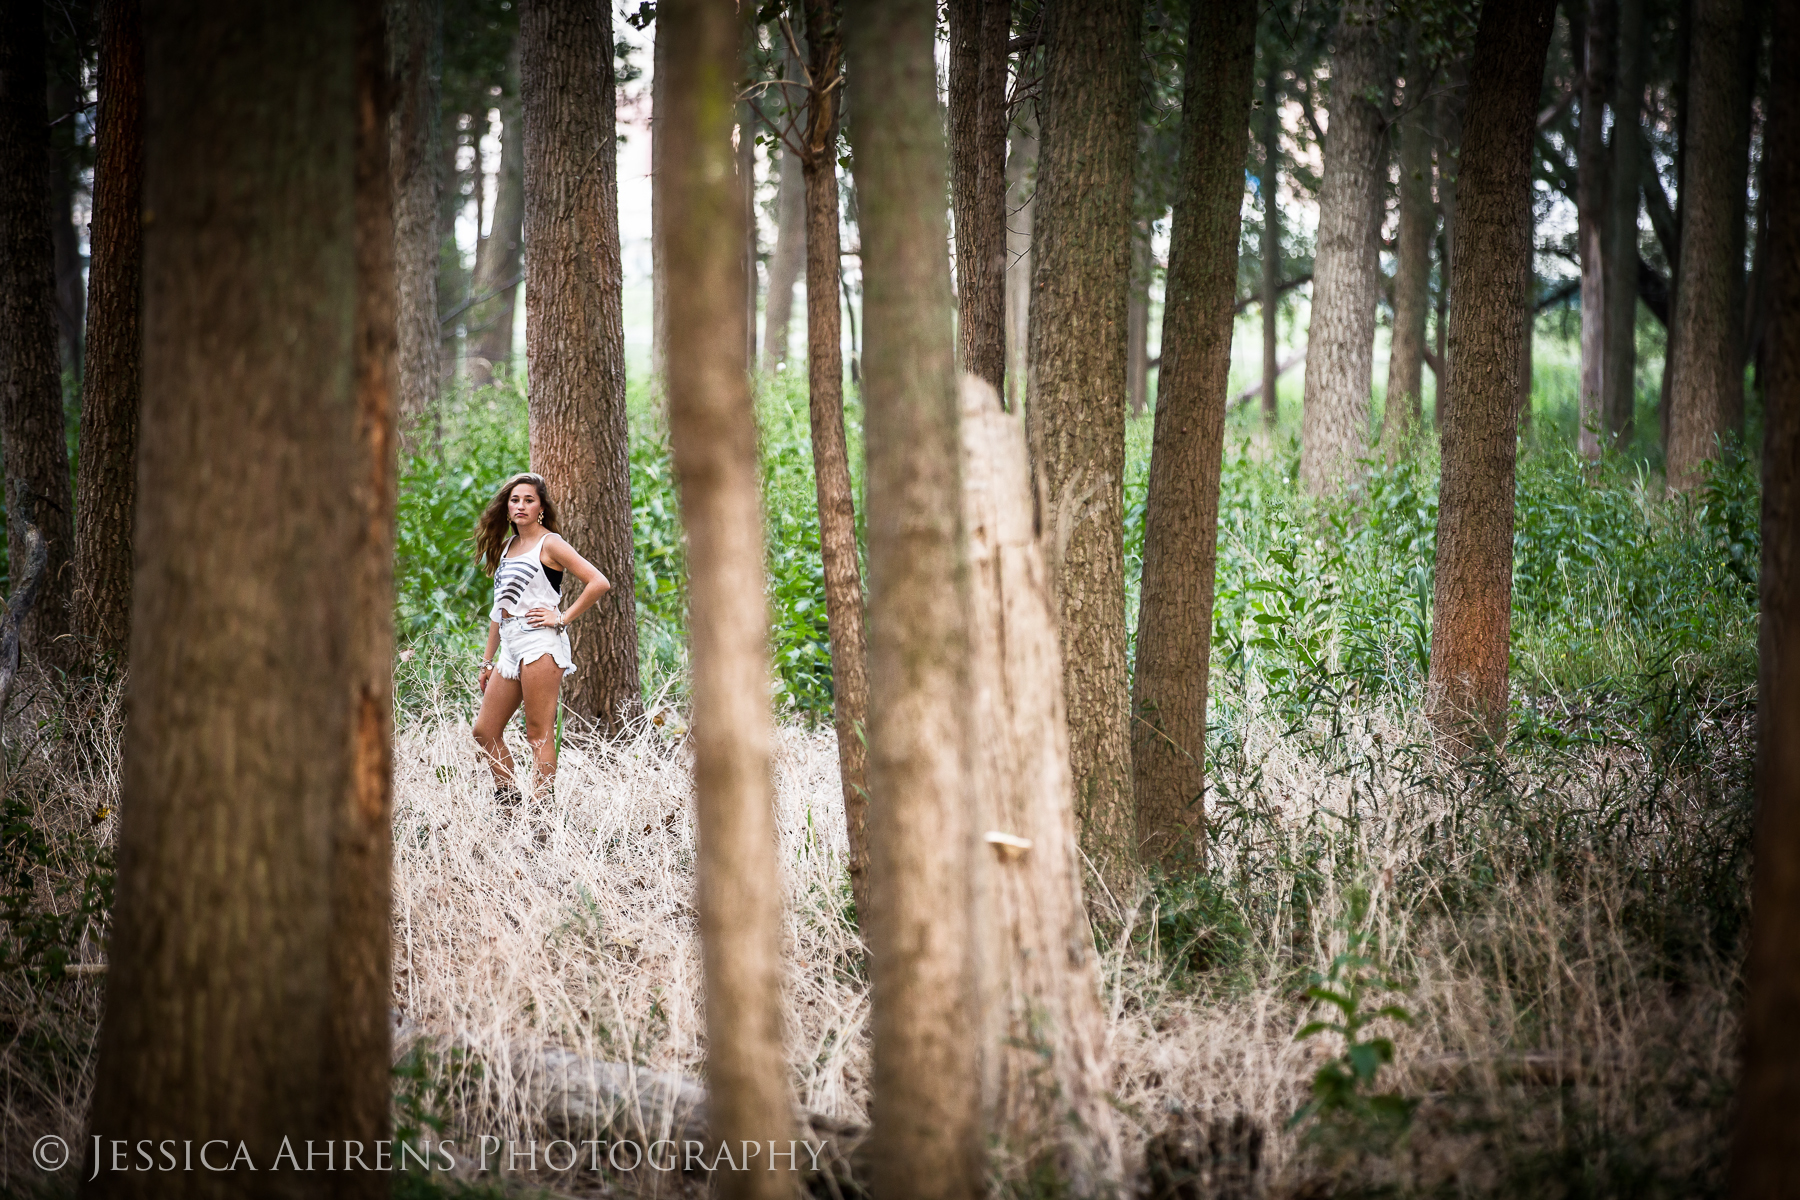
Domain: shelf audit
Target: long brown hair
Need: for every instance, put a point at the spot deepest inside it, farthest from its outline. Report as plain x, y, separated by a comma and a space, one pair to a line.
494, 527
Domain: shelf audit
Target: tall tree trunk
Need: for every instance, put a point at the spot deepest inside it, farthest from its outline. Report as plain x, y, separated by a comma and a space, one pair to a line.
1405, 408
1706, 391
927, 1116
1450, 106
831, 457
788, 262
1268, 186
978, 35
713, 429
498, 256
1466, 694
1137, 321
1528, 289
746, 170
110, 392
1346, 273
1592, 201
248, 993
659, 270
1181, 516
1679, 99
1768, 1097
575, 333
416, 66
1081, 272
453, 279
36, 454
71, 293
1618, 375
1021, 186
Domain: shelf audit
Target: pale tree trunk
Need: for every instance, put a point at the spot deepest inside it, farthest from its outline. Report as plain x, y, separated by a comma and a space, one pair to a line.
1021, 184
1137, 322
1081, 277
1181, 516
1269, 186
1592, 201
1768, 1095
927, 1138
575, 333
831, 457
712, 427
248, 993
1618, 375
498, 256
659, 286
1466, 693
1340, 344
36, 455
787, 263
1404, 408
977, 127
415, 63
110, 392
1045, 1033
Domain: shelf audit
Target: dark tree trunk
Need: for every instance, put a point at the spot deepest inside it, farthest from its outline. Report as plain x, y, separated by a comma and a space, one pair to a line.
31, 405
1466, 697
712, 425
1269, 186
1592, 201
1346, 273
1679, 99
1450, 106
1404, 408
788, 262
1181, 518
110, 390
978, 35
248, 992
415, 65
927, 1137
71, 294
1081, 275
575, 333
1021, 183
498, 256
1618, 374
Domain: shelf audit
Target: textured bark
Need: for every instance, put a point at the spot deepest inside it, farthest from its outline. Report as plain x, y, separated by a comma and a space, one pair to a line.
1021, 186
1404, 407
1181, 515
788, 262
110, 392
36, 455
1340, 344
575, 333
236, 1009
713, 429
1706, 388
1592, 201
831, 456
1618, 374
1269, 187
927, 1119
498, 255
416, 67
1081, 277
1466, 692
1043, 1023
1768, 1097
71, 292
659, 287
1137, 322
977, 125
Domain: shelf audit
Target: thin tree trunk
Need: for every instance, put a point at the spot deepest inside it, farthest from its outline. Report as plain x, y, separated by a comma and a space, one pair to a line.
1592, 200
415, 64
71, 293
1137, 322
713, 429
1466, 694
1706, 391
831, 457
1346, 273
926, 1139
110, 392
977, 125
659, 252
1619, 371
746, 170
1404, 408
788, 263
498, 256
36, 454
1450, 107
453, 280
1675, 345
1269, 185
575, 333
1021, 185
237, 1007
1081, 274
1181, 516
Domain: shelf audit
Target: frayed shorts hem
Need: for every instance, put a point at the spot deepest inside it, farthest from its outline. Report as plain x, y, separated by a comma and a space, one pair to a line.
521, 643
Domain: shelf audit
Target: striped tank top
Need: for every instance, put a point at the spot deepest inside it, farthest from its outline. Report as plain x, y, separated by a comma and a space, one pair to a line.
524, 583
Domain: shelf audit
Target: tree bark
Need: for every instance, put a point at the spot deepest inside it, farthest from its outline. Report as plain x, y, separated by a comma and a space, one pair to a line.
978, 124
498, 256
927, 1117
712, 426
1021, 186
1269, 185
248, 994
1466, 693
110, 391
416, 66
788, 263
1346, 273
36, 455
1679, 101
831, 456
1619, 369
575, 333
1404, 408
1181, 516
71, 294
1450, 106
1081, 275
1592, 200
1137, 322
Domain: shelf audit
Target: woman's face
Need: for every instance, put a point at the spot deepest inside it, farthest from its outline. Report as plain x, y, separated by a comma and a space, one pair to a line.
523, 508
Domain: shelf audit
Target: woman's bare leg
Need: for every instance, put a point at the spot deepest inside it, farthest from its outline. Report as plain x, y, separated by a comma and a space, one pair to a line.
542, 679
498, 704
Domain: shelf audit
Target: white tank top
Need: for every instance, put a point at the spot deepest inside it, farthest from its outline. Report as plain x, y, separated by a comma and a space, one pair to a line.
524, 583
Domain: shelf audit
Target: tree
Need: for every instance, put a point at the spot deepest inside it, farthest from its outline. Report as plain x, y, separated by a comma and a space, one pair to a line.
1021, 185
575, 332
926, 1139
1341, 338
978, 124
1181, 514
788, 262
1081, 274
1618, 373
713, 429
415, 64
110, 392
1592, 202
1466, 693
498, 256
70, 37
36, 456
1267, 187
248, 987
1404, 409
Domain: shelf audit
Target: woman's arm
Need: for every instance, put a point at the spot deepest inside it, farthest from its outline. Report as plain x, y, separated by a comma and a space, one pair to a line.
487, 657
560, 555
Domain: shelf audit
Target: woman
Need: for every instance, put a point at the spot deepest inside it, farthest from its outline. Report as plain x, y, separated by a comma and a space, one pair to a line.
517, 540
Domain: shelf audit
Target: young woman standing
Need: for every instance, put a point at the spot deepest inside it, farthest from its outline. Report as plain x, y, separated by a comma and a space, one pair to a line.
518, 543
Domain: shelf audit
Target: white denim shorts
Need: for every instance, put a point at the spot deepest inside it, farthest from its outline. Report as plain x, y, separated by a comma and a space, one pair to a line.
521, 643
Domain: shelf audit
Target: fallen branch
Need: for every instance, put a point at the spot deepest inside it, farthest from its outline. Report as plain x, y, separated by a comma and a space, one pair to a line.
1285, 285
